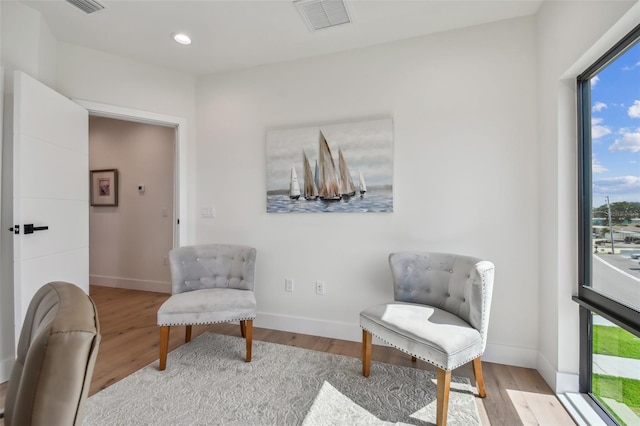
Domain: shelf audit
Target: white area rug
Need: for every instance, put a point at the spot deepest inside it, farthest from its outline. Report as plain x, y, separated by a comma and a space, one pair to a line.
207, 382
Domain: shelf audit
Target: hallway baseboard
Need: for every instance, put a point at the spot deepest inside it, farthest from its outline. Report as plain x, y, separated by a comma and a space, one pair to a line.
131, 284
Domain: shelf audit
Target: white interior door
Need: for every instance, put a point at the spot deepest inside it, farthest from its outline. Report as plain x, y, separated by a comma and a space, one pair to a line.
50, 189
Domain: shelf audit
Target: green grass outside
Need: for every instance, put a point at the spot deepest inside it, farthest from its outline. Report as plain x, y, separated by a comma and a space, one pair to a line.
616, 341
626, 391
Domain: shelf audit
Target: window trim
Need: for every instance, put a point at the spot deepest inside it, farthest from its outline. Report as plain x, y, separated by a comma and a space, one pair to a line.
589, 299
620, 314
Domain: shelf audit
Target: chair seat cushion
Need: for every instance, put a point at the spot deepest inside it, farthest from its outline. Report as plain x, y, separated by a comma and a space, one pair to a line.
426, 332
208, 306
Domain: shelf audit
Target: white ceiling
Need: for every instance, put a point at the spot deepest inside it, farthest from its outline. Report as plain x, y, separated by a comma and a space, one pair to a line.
238, 34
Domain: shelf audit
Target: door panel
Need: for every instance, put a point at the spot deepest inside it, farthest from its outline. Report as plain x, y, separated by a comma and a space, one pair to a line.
54, 118
37, 271
67, 226
50, 188
49, 159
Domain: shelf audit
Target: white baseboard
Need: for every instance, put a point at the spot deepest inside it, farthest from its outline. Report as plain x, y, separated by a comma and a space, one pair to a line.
5, 369
314, 327
501, 354
558, 381
567, 382
131, 284
510, 355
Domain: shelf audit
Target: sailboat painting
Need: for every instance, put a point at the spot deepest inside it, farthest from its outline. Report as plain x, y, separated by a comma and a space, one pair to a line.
294, 186
344, 156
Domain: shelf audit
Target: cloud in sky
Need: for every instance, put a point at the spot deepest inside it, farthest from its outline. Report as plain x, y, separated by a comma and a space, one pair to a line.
598, 130
634, 110
598, 106
596, 167
594, 81
622, 187
629, 141
627, 68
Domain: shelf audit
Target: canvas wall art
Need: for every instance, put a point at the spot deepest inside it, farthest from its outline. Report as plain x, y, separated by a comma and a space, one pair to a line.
345, 167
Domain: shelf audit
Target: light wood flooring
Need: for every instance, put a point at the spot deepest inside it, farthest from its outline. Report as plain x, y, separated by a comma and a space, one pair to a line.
515, 396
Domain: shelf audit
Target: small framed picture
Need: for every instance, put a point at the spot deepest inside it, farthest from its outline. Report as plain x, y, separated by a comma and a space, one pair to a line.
104, 187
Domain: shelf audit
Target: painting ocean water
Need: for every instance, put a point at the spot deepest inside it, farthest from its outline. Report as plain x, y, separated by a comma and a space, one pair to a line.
374, 202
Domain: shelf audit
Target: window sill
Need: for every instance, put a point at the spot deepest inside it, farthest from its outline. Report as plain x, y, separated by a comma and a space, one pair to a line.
583, 410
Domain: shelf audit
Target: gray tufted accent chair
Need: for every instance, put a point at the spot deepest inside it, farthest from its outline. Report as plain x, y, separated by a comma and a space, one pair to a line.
440, 315
211, 283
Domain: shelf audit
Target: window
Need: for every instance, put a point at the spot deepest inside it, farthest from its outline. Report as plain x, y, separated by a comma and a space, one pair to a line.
609, 231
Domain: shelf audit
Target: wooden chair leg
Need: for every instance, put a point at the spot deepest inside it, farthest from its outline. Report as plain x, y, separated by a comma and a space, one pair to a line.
187, 334
477, 371
164, 346
243, 329
366, 353
444, 384
248, 328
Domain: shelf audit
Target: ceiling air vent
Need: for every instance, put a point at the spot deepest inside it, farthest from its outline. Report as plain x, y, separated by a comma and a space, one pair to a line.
87, 6
319, 14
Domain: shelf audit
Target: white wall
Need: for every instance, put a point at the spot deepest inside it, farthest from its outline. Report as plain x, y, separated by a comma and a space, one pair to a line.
27, 43
565, 48
463, 105
129, 243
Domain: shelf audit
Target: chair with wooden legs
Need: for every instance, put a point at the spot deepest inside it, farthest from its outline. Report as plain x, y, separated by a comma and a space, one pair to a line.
440, 315
211, 283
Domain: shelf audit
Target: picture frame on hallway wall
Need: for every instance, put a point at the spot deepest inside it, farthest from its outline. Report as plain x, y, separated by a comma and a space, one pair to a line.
342, 167
104, 187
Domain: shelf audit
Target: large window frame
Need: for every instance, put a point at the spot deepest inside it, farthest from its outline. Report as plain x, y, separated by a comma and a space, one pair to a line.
589, 299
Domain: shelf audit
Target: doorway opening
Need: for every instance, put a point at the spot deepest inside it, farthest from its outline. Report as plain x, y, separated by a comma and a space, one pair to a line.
179, 210
131, 234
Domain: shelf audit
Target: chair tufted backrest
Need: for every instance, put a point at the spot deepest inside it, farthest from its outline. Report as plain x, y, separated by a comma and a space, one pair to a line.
461, 285
56, 354
212, 266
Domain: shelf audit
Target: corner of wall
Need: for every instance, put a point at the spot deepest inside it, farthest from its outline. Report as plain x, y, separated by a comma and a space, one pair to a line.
558, 381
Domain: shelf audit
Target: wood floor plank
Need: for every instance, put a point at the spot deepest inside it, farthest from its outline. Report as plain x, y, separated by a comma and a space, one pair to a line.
540, 401
130, 339
498, 402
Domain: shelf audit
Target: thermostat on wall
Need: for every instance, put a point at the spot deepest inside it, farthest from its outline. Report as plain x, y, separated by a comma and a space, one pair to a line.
140, 188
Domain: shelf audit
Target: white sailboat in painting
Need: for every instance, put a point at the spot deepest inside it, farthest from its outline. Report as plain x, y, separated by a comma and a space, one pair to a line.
294, 187
310, 189
362, 186
347, 189
328, 187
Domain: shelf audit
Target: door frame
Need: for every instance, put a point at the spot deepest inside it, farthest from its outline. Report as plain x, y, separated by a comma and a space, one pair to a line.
180, 233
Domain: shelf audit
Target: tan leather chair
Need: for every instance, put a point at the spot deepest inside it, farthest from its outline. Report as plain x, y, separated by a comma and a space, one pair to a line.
57, 351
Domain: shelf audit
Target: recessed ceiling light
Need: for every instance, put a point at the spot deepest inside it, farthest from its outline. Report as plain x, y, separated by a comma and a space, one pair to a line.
181, 38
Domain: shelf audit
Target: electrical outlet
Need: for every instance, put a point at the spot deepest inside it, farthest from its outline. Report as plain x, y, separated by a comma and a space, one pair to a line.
288, 284
320, 288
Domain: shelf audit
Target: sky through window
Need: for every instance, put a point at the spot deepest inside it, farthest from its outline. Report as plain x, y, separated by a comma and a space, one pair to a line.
615, 130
